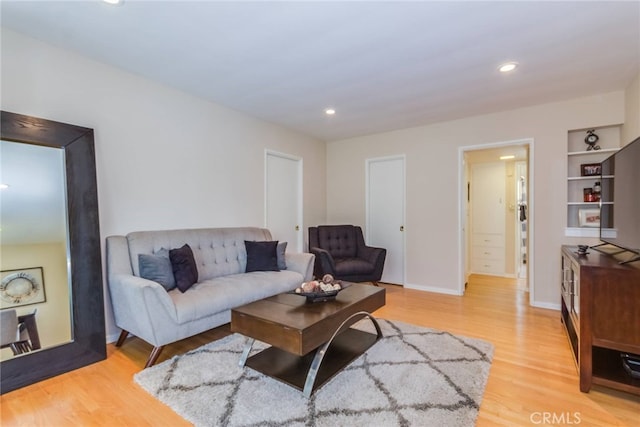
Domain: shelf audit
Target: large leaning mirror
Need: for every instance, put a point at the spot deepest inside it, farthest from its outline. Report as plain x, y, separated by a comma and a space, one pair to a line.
35, 301
51, 269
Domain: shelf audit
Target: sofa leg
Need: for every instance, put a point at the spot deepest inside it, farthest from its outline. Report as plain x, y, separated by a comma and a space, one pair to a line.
155, 353
375, 283
122, 337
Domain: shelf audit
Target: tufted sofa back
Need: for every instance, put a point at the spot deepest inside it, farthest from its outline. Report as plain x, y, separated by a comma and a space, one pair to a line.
217, 251
341, 241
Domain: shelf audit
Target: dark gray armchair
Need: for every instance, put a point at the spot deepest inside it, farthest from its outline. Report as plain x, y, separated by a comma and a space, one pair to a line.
340, 251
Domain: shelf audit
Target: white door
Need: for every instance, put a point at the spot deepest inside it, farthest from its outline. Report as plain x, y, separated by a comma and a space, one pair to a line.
487, 197
488, 218
283, 199
385, 213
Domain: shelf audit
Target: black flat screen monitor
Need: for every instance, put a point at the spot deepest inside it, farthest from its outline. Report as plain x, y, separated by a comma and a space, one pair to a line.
620, 208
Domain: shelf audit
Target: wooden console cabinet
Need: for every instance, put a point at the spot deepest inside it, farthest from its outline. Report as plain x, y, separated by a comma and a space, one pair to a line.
601, 315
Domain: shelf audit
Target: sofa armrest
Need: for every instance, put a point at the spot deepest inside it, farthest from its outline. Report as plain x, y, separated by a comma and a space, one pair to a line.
301, 263
138, 303
118, 261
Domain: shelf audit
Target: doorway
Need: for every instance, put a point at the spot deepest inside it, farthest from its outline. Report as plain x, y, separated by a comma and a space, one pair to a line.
283, 199
505, 247
522, 185
385, 208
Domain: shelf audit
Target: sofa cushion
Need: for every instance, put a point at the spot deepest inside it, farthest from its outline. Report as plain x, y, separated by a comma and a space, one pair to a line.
261, 256
184, 267
157, 268
223, 293
281, 250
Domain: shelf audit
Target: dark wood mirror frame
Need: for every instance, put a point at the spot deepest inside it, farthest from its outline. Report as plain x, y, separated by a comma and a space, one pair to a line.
88, 343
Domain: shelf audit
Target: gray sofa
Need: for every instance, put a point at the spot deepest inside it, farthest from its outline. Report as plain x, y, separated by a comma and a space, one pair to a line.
147, 310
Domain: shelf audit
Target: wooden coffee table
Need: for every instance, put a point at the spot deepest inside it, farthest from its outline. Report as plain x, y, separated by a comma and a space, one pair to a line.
310, 342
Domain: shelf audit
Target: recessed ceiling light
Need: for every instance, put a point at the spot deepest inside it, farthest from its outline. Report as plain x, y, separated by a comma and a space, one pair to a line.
508, 66
507, 157
113, 1
4, 186
329, 111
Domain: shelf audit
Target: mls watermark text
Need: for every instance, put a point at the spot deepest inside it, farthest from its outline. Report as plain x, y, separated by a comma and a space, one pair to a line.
555, 418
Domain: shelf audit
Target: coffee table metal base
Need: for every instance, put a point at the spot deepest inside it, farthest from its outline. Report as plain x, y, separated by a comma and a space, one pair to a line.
308, 373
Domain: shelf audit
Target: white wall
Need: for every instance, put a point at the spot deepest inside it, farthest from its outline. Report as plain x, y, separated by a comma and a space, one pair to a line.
165, 159
432, 241
631, 128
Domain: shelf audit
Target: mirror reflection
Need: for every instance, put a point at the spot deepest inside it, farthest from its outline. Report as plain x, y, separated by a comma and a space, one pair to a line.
35, 298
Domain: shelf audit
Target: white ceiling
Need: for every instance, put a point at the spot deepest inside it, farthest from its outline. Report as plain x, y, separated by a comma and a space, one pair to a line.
381, 65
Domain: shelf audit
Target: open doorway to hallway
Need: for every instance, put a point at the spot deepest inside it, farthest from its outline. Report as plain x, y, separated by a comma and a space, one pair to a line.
522, 221
495, 211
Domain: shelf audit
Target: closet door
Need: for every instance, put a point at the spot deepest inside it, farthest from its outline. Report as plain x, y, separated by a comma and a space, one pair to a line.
283, 199
488, 218
385, 213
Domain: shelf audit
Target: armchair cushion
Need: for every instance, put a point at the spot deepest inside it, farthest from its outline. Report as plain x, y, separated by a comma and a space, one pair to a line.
350, 266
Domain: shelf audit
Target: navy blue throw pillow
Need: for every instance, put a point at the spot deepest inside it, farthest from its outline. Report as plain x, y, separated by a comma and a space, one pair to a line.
184, 267
261, 256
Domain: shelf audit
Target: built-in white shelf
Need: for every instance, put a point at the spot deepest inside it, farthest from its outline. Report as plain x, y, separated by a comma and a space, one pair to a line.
577, 156
586, 232
584, 178
602, 150
595, 204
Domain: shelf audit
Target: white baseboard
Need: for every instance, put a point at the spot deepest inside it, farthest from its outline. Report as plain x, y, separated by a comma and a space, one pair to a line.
434, 289
447, 291
548, 305
113, 337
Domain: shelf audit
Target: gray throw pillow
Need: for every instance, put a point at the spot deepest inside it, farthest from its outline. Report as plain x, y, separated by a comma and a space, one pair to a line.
157, 268
280, 250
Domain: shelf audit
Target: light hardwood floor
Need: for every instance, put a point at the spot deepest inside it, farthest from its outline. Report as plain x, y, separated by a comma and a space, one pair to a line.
533, 379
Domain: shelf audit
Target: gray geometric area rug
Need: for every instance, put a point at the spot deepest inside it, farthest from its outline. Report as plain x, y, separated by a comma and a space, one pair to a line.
414, 376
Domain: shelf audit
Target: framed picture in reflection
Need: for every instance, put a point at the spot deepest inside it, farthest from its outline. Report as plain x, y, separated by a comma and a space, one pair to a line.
20, 287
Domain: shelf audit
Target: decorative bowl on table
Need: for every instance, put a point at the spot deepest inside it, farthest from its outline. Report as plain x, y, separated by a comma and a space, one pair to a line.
320, 290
